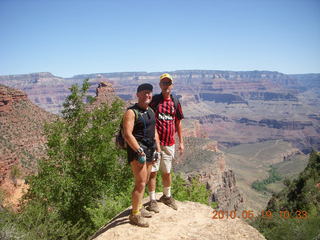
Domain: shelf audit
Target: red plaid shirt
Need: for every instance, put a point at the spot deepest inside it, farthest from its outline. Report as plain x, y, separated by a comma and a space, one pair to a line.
166, 116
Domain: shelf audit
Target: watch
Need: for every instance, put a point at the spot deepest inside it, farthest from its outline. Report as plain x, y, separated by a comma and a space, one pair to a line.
140, 151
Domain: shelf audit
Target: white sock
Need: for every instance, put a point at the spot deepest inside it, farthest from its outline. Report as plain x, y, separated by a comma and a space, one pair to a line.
152, 195
167, 191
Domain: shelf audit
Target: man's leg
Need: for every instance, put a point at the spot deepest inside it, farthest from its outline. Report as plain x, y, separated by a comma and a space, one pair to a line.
166, 181
165, 166
140, 174
152, 182
153, 178
153, 206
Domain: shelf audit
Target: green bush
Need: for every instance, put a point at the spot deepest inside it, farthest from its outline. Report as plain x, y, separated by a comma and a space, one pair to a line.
108, 207
185, 190
301, 194
193, 190
36, 223
294, 229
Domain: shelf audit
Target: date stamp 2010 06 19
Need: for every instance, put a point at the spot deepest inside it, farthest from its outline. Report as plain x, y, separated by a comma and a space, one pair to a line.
249, 214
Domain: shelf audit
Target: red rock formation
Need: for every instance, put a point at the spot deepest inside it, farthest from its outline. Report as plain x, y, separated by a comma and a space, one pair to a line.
8, 97
105, 94
22, 140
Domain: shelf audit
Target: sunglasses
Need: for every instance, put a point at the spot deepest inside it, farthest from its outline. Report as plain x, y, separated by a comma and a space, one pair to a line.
166, 83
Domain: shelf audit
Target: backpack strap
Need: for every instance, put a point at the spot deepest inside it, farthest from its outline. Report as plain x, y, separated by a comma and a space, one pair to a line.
157, 99
175, 100
136, 113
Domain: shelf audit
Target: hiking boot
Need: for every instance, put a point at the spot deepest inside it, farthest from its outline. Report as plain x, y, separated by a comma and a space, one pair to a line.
138, 220
145, 213
153, 206
169, 201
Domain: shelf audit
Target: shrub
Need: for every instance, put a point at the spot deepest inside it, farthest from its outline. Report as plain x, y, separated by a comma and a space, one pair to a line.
186, 190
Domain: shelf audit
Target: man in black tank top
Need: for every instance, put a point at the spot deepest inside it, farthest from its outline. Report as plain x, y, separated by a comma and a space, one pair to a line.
139, 130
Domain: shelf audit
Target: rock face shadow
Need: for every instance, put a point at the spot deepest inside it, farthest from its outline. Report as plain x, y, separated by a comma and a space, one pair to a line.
120, 219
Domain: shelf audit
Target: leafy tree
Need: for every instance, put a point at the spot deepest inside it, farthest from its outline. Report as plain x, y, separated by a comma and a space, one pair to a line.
83, 163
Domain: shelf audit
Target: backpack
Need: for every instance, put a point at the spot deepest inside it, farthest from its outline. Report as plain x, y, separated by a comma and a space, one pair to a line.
157, 99
120, 142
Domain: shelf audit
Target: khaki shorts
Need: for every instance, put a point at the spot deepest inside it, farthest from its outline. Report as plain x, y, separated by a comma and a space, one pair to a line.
165, 163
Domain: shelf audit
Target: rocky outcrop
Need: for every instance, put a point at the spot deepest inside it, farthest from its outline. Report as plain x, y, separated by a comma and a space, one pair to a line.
203, 160
223, 188
221, 181
191, 221
105, 94
8, 97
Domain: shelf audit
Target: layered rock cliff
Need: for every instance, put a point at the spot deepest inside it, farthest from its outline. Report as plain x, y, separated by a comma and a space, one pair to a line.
202, 159
49, 91
223, 187
277, 105
8, 97
22, 139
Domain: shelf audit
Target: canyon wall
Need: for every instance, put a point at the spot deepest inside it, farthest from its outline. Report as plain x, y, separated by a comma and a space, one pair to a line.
22, 139
253, 105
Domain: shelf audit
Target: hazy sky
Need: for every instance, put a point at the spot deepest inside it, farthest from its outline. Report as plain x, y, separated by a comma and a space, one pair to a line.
68, 37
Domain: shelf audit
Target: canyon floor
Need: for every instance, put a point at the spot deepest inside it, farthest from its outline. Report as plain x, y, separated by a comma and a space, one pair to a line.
251, 162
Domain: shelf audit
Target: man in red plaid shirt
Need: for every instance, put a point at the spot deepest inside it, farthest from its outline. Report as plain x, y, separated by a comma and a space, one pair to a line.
168, 114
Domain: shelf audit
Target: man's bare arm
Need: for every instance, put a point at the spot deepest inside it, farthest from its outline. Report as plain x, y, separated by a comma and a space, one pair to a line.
128, 125
179, 131
157, 140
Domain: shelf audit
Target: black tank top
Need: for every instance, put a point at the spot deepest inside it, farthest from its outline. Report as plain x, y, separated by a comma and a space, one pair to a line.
144, 127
